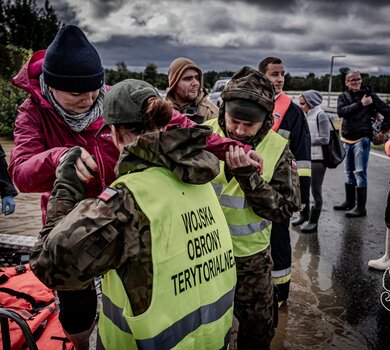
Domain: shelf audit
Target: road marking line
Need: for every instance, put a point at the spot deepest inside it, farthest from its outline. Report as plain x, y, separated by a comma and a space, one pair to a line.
380, 155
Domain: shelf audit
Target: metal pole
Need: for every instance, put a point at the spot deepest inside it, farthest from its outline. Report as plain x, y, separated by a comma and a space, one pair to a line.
330, 77
330, 80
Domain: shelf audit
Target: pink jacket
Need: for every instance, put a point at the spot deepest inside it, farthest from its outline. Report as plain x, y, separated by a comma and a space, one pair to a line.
42, 137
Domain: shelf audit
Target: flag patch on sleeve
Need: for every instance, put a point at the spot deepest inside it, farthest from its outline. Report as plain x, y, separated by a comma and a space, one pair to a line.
108, 194
294, 164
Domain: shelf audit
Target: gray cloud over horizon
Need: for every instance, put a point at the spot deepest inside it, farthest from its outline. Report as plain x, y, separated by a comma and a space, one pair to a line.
225, 35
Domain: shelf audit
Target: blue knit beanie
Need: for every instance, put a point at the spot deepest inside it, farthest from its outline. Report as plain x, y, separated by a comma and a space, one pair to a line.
71, 63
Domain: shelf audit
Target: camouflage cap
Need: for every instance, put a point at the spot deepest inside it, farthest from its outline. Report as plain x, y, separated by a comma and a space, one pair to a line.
249, 84
124, 103
245, 110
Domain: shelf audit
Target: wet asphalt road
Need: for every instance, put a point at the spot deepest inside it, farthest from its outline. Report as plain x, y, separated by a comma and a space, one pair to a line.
335, 298
335, 259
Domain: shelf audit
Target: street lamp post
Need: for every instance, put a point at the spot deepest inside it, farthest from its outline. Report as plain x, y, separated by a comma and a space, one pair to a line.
330, 77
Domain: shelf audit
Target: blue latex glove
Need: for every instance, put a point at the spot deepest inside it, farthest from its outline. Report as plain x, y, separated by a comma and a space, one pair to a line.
8, 205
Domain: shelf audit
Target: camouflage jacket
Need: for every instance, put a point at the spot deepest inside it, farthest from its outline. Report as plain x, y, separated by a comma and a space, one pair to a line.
198, 111
84, 238
277, 199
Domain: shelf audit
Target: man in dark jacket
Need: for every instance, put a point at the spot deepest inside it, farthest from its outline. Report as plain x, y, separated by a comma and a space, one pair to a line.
357, 107
291, 123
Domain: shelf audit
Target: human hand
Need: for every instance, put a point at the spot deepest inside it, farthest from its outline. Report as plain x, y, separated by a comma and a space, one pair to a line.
379, 139
236, 158
85, 166
256, 161
8, 205
366, 100
67, 174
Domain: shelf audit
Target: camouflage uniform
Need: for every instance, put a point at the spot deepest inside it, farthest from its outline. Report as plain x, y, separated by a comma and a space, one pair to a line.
255, 300
111, 232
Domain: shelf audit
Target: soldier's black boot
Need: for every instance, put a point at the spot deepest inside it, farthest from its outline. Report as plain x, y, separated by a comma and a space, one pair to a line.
303, 216
350, 198
360, 208
312, 225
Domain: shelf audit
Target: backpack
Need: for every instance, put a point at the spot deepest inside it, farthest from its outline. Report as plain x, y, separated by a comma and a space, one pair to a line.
333, 152
22, 292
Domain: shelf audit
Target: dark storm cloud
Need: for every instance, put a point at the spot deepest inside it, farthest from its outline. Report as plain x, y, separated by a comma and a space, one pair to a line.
274, 6
221, 35
370, 49
336, 9
138, 52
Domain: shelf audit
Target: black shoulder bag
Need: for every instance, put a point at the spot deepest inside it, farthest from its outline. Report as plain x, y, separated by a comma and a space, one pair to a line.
333, 152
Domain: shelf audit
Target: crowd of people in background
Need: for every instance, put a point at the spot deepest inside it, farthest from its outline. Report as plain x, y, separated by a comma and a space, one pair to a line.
109, 161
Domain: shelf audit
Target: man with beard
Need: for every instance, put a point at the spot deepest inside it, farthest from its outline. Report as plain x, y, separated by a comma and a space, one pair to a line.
186, 91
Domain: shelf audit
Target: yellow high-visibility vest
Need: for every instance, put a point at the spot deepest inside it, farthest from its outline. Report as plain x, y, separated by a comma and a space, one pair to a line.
194, 271
250, 233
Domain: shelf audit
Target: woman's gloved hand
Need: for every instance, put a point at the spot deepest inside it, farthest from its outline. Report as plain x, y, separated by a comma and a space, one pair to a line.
8, 205
73, 171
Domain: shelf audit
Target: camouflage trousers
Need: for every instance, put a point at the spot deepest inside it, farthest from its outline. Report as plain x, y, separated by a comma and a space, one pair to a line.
255, 302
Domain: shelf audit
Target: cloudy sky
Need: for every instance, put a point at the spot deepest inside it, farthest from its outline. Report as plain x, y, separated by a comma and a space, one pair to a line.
225, 35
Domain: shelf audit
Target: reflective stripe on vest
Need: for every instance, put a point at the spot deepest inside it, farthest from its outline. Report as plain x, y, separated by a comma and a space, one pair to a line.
281, 276
193, 270
284, 133
281, 106
250, 233
304, 167
171, 336
242, 230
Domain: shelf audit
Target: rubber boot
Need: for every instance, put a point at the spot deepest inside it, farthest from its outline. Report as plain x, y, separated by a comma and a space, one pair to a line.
360, 208
303, 216
384, 262
81, 340
312, 224
349, 202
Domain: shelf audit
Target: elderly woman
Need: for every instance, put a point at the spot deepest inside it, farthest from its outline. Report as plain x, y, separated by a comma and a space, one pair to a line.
320, 126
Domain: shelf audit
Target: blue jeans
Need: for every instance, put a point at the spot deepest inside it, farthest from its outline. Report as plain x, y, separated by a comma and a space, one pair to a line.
356, 162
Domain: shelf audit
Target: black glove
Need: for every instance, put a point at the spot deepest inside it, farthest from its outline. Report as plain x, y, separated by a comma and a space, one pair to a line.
67, 177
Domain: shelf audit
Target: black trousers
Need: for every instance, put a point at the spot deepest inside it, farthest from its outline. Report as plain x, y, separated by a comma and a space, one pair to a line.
77, 309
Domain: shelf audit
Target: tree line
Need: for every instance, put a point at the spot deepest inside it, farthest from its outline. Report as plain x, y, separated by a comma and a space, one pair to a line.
26, 27
380, 84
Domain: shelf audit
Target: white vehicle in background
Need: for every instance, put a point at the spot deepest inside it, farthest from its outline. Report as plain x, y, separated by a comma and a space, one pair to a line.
214, 95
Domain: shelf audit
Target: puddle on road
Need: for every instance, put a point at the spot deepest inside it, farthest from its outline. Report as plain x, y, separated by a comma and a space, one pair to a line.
304, 325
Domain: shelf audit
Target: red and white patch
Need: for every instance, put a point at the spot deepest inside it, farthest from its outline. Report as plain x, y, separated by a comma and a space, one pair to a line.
108, 194
294, 164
